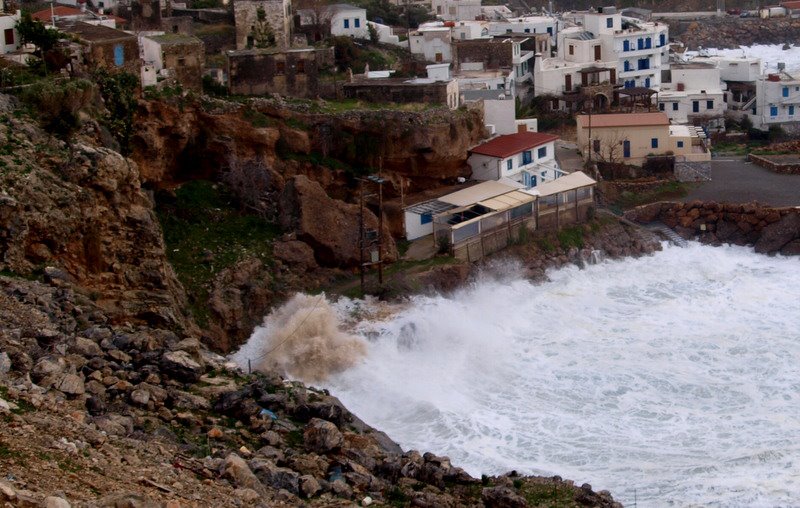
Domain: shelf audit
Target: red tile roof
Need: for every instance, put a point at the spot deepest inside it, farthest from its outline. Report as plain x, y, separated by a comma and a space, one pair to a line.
510, 144
624, 120
791, 5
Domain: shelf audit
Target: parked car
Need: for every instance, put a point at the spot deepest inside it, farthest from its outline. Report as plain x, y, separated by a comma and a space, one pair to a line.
744, 14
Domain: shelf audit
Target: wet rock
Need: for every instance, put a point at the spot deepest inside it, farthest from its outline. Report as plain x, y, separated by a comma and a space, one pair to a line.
778, 234
502, 497
180, 365
322, 436
790, 249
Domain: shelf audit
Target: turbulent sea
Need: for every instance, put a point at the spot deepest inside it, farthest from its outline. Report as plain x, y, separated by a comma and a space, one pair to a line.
670, 380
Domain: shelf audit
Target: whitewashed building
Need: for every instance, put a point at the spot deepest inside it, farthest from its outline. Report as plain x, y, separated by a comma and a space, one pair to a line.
433, 42
526, 157
777, 102
694, 95
455, 10
8, 24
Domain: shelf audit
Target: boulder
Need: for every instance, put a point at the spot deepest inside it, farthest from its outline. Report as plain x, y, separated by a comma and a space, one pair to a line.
790, 249
5, 364
502, 497
329, 226
180, 365
322, 436
55, 502
778, 234
237, 470
295, 253
309, 486
86, 347
276, 477
125, 500
71, 384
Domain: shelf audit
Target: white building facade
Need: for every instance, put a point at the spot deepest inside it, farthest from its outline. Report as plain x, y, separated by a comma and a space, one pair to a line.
526, 157
694, 95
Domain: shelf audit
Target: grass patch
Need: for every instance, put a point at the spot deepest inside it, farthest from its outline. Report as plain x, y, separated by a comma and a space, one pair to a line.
545, 495
571, 237
205, 233
7, 452
294, 438
665, 191
69, 466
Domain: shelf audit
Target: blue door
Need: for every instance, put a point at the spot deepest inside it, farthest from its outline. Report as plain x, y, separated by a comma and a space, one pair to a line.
626, 149
626, 45
119, 55
647, 82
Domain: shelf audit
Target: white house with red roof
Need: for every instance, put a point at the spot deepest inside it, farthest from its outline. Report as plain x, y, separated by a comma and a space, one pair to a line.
525, 157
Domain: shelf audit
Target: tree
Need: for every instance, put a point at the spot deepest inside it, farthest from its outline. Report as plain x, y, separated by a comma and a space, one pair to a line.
118, 91
32, 31
262, 34
374, 36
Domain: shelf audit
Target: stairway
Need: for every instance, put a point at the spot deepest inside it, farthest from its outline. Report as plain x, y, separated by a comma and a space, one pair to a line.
662, 230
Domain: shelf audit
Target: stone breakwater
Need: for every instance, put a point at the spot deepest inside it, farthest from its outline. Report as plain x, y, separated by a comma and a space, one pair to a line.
770, 230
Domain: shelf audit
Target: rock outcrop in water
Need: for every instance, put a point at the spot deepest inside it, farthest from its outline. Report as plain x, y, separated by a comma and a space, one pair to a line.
770, 230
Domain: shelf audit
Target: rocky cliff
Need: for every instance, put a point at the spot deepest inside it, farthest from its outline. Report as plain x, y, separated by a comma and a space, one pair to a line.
77, 214
732, 31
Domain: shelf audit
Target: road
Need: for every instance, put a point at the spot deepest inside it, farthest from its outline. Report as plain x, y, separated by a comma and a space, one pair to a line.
737, 181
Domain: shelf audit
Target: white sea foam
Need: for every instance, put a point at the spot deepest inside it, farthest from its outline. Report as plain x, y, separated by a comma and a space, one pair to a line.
770, 55
672, 378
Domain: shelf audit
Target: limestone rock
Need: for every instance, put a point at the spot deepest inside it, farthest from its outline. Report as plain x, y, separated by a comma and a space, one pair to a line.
125, 500
55, 502
237, 470
276, 477
321, 436
180, 365
71, 384
329, 226
309, 486
295, 253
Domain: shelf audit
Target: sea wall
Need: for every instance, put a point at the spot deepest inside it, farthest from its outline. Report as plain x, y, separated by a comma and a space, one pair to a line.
770, 230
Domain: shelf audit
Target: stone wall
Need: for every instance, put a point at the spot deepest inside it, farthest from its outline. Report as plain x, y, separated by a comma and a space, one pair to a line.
789, 164
292, 73
693, 171
769, 230
178, 25
278, 17
100, 54
493, 53
379, 90
186, 61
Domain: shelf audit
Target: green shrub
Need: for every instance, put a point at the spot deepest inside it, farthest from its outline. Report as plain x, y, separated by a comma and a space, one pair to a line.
57, 103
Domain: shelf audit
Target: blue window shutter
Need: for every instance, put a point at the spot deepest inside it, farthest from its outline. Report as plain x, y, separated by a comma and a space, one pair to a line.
609, 22
773, 111
510, 164
347, 23
119, 55
680, 144
542, 153
791, 110
357, 22
674, 106
426, 218
786, 91
709, 104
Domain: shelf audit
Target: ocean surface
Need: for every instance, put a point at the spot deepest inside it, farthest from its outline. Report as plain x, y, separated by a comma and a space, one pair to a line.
670, 380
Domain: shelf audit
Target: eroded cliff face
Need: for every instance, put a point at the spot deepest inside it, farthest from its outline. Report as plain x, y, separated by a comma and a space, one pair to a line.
78, 213
424, 149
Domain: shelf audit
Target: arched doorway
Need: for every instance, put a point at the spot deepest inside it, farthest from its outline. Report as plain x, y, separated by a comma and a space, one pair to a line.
600, 102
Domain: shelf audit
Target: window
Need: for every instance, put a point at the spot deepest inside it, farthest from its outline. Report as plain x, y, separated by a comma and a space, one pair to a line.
662, 39
300, 67
571, 49
527, 157
609, 22
181, 62
9, 33
280, 67
357, 22
626, 46
695, 106
674, 106
119, 55
797, 89
773, 111
508, 30
347, 23
791, 110
426, 218
596, 145
550, 30
661, 106
509, 164
680, 144
786, 91
542, 152
709, 104
527, 30
653, 142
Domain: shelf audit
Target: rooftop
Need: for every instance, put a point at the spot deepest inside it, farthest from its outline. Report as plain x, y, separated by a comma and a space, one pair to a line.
169, 39
510, 144
64, 11
571, 181
92, 33
624, 120
476, 193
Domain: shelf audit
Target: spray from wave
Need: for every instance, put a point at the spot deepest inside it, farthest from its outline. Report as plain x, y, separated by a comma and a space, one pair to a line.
302, 339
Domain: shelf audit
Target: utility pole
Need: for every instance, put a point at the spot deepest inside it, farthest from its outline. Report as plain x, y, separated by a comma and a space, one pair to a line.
361, 236
591, 147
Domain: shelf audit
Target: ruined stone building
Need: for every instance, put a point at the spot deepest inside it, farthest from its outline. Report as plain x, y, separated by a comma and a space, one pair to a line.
263, 23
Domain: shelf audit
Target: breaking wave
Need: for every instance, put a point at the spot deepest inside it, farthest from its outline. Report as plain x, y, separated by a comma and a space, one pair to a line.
303, 340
